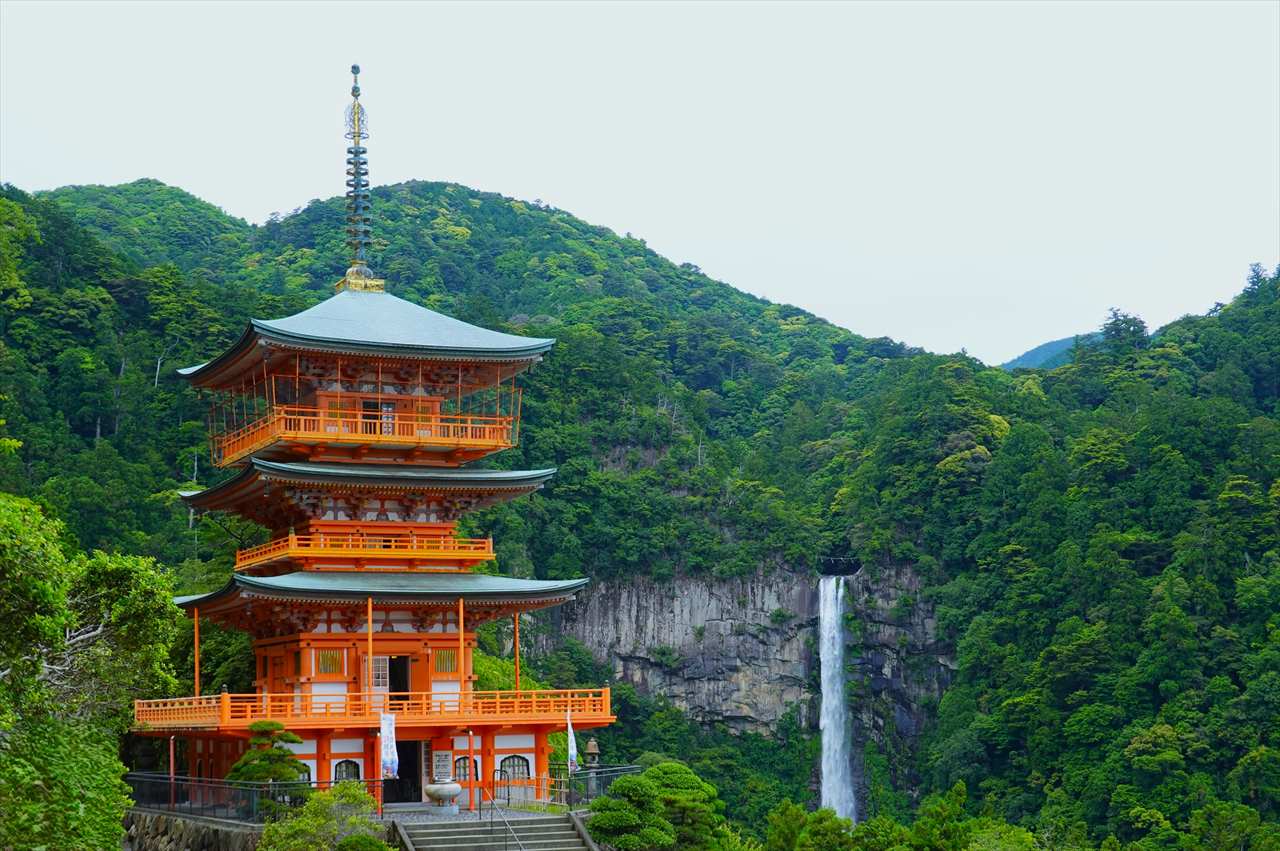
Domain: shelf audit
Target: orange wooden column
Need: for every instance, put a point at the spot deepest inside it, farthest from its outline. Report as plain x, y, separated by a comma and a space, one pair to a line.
196, 621
516, 643
487, 762
471, 770
462, 648
542, 764
368, 683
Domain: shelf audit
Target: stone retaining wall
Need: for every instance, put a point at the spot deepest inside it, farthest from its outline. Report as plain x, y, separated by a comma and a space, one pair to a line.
148, 830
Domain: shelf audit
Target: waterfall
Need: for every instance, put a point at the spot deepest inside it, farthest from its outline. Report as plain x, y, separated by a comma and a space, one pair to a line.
837, 771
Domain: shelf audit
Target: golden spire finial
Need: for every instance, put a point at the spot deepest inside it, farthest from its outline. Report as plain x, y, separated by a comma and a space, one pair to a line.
358, 276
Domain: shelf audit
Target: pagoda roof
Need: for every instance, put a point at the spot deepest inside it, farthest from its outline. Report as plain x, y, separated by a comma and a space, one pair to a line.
256, 476
440, 589
372, 323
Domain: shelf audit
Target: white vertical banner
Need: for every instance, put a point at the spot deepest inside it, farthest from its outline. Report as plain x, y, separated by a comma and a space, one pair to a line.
390, 757
573, 742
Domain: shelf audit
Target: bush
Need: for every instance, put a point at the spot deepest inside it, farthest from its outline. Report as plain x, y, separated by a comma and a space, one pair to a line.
630, 817
332, 819
362, 842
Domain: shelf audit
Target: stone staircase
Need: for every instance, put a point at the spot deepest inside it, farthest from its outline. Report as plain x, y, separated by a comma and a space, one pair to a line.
538, 833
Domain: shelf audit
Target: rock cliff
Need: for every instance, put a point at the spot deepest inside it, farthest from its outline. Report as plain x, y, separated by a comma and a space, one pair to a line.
741, 651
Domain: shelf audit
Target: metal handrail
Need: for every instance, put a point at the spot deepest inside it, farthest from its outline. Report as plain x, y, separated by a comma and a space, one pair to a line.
511, 831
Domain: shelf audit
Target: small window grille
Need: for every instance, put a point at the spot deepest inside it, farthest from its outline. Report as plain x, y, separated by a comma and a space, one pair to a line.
446, 661
381, 673
347, 769
329, 661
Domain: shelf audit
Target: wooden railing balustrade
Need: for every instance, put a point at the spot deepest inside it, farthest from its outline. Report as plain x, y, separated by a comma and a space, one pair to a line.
329, 710
292, 422
398, 548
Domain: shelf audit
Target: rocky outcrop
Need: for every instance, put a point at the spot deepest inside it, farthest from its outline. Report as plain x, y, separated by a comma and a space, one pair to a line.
156, 831
737, 651
895, 652
742, 651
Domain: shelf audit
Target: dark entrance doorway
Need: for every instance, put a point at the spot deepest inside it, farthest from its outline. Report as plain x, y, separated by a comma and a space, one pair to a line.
408, 788
398, 674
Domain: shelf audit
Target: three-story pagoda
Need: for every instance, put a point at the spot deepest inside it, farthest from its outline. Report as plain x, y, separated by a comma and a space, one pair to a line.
350, 425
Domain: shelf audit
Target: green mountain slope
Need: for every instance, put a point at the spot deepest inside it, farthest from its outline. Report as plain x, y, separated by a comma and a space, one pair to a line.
1099, 542
1048, 355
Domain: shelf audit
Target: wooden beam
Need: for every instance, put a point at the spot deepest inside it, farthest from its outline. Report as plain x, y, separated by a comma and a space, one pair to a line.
196, 621
516, 643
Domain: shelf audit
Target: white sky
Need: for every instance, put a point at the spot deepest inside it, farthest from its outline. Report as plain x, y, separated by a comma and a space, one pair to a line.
987, 176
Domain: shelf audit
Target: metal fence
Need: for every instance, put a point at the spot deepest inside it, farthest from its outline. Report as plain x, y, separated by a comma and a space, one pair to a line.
225, 799
586, 784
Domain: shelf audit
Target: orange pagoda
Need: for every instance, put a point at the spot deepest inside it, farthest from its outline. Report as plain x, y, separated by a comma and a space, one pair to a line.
350, 426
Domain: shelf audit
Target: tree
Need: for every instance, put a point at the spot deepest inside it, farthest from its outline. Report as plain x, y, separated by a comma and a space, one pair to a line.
268, 760
631, 817
340, 817
689, 803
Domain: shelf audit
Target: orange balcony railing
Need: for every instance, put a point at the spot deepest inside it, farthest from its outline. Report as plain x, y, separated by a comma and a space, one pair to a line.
313, 425
357, 547
298, 711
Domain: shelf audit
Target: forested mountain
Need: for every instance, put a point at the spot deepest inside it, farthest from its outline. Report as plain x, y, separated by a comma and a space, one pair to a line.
1052, 354
1099, 541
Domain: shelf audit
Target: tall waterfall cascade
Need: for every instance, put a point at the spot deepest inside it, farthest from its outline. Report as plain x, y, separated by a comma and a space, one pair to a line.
837, 770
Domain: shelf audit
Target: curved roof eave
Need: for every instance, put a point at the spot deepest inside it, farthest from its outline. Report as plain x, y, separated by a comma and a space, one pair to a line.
424, 477
417, 587
376, 323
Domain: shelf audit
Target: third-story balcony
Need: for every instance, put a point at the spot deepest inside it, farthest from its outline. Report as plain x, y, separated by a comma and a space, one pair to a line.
319, 434
358, 550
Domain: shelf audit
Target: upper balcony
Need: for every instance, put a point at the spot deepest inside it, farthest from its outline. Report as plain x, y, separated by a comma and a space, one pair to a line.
358, 549
319, 434
587, 707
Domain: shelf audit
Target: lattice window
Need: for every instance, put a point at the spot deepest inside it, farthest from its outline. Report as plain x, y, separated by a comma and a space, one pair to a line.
446, 661
347, 769
329, 661
381, 673
514, 767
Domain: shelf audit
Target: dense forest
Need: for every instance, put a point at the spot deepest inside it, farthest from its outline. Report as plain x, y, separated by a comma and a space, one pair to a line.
1100, 541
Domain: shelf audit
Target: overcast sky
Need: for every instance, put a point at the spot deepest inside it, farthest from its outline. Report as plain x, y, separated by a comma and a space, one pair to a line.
955, 175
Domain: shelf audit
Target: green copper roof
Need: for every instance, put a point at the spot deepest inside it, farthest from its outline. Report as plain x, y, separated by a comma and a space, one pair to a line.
502, 484
389, 587
380, 323
423, 476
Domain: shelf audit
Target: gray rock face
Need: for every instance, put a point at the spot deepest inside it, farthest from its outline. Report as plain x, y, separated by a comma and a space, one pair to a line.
741, 651
737, 651
896, 654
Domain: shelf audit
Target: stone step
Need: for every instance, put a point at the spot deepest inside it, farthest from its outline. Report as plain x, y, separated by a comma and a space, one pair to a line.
535, 833
497, 843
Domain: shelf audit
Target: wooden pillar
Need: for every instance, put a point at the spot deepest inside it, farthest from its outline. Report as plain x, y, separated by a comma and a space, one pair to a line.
195, 620
368, 682
516, 643
323, 769
462, 649
487, 762
542, 764
472, 785
376, 775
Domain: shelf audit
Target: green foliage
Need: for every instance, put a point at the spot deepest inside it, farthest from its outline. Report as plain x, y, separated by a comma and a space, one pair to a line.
1099, 541
82, 636
268, 760
60, 786
341, 817
631, 817
689, 803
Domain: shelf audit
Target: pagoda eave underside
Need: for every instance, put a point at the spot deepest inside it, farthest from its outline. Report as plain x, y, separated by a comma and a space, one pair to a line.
271, 481
256, 351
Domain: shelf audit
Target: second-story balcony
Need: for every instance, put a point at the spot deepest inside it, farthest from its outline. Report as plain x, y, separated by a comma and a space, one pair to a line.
587, 707
357, 433
413, 550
